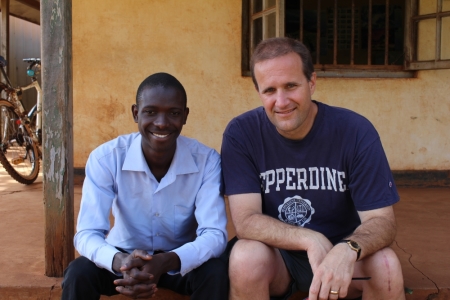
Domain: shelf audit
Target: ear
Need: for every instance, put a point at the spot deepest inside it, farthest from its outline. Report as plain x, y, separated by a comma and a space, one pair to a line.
312, 83
134, 111
186, 113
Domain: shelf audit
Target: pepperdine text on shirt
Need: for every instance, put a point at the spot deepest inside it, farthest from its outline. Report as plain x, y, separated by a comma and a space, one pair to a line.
298, 179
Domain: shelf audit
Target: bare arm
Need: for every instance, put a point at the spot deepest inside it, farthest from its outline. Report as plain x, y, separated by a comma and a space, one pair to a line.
377, 230
252, 224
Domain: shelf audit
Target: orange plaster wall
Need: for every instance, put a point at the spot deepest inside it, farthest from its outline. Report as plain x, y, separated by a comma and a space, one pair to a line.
116, 44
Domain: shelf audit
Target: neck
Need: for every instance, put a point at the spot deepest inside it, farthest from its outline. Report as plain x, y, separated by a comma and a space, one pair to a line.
159, 162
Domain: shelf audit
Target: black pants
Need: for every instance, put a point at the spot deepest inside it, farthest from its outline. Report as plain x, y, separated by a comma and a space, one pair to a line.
83, 280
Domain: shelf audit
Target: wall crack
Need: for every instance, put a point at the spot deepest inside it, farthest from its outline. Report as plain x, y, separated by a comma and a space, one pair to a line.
431, 296
19, 191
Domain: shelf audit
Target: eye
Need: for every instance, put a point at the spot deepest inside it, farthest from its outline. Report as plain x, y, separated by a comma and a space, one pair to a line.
176, 113
269, 90
149, 112
291, 85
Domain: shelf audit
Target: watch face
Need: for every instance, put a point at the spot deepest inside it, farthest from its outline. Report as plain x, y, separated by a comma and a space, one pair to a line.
354, 244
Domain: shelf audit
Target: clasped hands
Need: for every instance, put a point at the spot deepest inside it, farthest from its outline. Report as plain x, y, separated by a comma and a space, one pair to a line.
332, 267
141, 273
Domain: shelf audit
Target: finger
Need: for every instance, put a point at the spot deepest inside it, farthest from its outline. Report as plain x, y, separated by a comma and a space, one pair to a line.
137, 290
141, 254
133, 263
140, 275
325, 292
130, 281
314, 288
147, 295
334, 293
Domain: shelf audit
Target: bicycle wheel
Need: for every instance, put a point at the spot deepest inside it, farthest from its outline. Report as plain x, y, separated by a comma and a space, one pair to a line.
18, 153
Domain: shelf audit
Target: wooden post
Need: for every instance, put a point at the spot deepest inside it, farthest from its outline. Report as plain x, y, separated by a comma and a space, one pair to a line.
56, 54
5, 32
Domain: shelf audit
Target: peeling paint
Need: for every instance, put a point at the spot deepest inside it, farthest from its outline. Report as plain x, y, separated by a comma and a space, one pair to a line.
60, 55
56, 15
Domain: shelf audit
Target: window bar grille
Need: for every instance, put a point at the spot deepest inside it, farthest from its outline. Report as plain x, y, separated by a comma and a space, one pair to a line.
301, 21
318, 33
369, 41
335, 38
438, 30
386, 35
352, 42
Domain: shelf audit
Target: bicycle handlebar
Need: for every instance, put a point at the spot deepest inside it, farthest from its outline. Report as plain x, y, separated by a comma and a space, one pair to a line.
32, 62
29, 60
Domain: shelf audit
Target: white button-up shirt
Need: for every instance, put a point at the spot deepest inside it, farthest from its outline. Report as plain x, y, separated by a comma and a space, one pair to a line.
184, 213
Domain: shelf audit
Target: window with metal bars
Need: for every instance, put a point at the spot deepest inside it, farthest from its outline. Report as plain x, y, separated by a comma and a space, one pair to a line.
355, 38
429, 32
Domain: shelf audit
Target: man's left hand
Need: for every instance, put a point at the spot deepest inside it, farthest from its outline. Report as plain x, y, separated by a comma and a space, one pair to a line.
333, 276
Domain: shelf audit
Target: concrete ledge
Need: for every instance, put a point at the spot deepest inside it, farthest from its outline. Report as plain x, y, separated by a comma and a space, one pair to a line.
422, 178
54, 293
403, 178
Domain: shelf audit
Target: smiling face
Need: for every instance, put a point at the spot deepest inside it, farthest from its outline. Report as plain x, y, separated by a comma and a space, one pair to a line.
286, 93
160, 115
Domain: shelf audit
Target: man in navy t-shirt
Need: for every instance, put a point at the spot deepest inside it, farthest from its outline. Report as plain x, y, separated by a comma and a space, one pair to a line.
310, 191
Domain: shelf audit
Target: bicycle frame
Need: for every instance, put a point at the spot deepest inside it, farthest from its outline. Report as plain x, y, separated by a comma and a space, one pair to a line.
13, 97
37, 108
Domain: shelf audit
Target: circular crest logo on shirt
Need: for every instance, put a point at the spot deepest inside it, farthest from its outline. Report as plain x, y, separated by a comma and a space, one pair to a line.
296, 211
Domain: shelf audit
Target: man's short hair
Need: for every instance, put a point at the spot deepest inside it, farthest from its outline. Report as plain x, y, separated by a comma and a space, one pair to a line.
280, 46
164, 80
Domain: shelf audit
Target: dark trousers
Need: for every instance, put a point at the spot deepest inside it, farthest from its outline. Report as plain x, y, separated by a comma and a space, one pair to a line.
84, 280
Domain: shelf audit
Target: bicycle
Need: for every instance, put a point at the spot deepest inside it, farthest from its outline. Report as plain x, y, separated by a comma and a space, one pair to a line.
20, 131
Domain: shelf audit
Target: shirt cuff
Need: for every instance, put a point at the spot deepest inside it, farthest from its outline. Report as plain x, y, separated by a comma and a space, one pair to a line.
189, 259
104, 258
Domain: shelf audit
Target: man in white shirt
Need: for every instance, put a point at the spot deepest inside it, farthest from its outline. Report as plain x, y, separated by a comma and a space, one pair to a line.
169, 215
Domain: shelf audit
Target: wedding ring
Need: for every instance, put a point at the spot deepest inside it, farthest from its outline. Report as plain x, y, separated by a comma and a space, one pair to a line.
334, 292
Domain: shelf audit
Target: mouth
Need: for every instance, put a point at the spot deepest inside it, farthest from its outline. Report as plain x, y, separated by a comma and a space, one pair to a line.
160, 135
285, 112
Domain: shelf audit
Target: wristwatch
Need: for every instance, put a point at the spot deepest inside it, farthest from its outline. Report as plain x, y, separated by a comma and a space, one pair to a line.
354, 246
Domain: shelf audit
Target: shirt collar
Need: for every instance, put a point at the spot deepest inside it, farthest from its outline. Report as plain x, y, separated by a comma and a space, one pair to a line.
183, 162
134, 159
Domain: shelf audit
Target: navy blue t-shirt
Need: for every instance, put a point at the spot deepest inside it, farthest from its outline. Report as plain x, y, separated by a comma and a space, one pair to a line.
319, 182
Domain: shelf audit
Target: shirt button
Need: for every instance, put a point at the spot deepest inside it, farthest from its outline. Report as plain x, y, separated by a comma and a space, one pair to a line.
157, 214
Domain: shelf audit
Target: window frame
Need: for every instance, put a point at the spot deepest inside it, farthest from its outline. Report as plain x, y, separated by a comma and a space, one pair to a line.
406, 70
411, 32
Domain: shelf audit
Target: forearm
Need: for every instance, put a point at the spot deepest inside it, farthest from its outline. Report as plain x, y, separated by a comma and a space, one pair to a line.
376, 231
252, 224
275, 233
170, 261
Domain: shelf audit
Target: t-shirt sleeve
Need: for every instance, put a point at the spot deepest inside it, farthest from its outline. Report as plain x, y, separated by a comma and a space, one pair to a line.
371, 182
240, 173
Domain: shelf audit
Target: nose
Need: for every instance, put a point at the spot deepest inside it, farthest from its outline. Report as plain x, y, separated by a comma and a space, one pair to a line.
161, 120
281, 98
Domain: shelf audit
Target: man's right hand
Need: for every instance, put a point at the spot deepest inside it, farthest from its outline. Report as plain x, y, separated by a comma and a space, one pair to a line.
318, 247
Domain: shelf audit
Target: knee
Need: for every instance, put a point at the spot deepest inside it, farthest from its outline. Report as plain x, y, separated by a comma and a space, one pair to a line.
250, 261
387, 260
78, 270
385, 264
